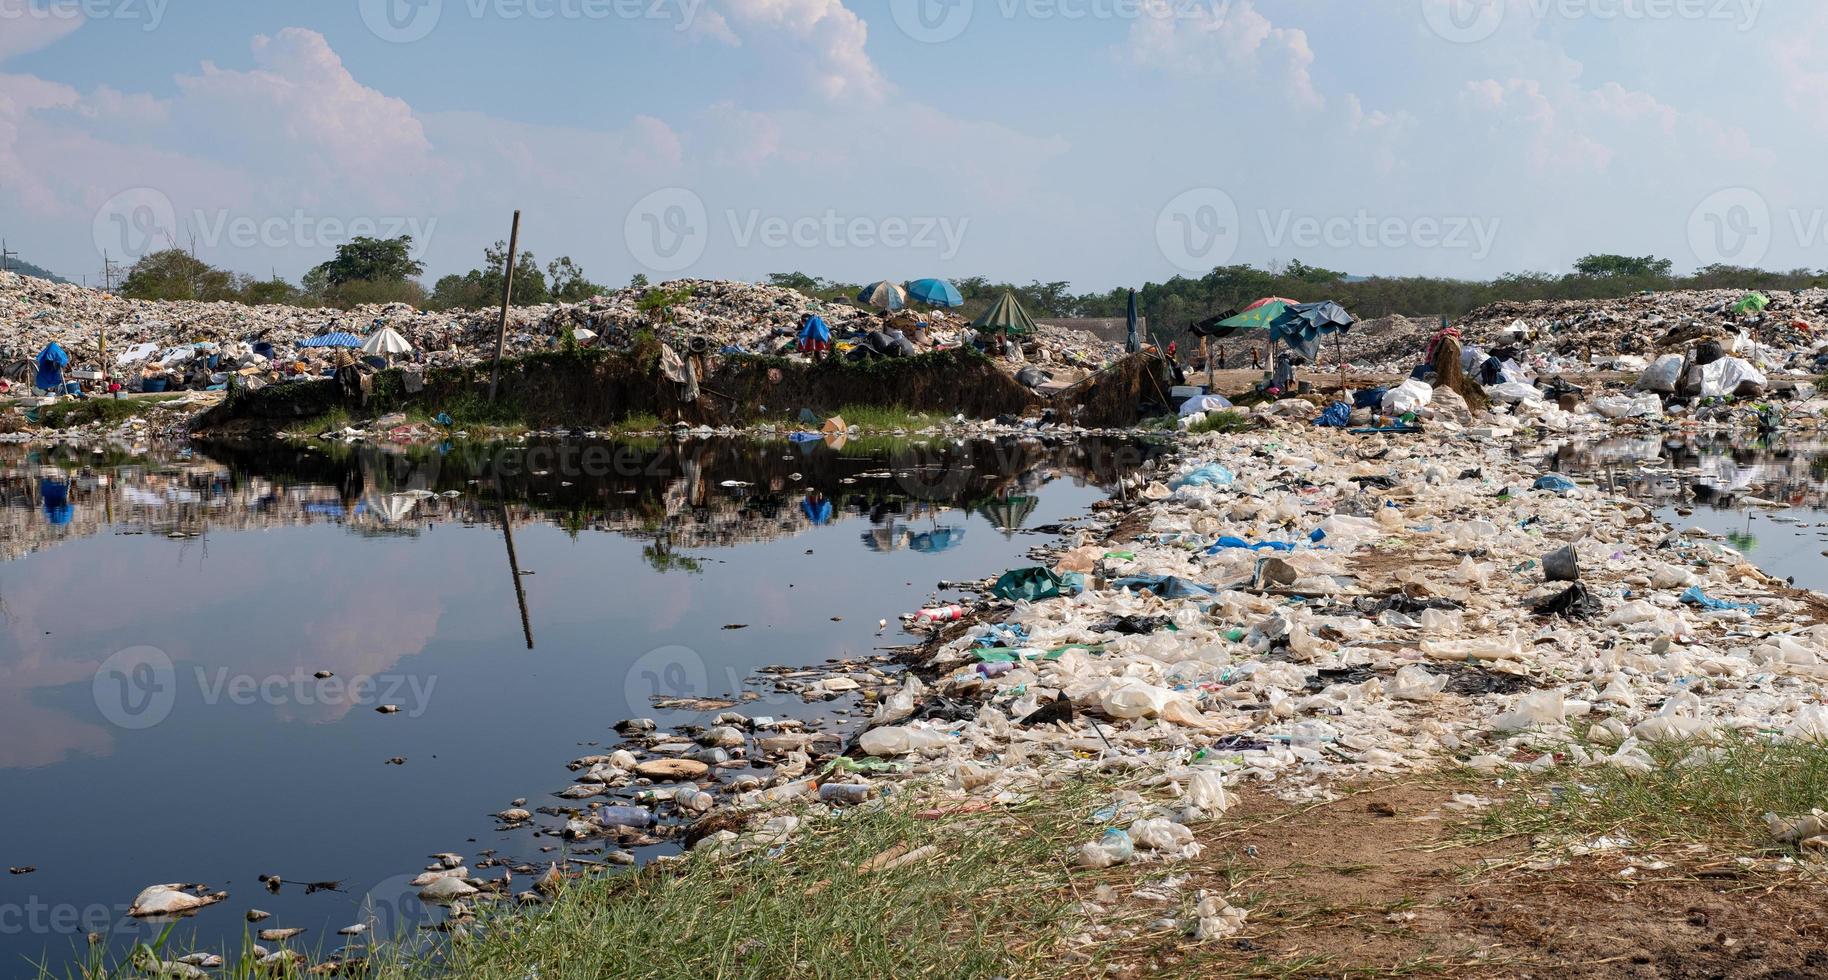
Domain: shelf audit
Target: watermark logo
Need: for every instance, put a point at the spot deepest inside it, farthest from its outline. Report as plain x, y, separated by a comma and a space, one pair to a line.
1731, 227
668, 229
663, 674
135, 223
1463, 21
1199, 229
136, 688
1362, 229
401, 21
394, 914
932, 21
933, 476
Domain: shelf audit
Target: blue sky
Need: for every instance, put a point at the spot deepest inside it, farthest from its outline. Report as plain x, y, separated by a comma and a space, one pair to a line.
1104, 142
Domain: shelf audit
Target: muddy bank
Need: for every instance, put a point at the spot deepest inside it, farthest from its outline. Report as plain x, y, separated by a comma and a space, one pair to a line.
596, 388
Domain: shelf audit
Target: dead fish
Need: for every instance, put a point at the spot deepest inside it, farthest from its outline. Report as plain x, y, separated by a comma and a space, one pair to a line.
354, 930
388, 709
324, 675
205, 961
448, 860
256, 915
278, 935
429, 877
28, 869
398, 760
736, 626
444, 891
171, 899
548, 883
515, 815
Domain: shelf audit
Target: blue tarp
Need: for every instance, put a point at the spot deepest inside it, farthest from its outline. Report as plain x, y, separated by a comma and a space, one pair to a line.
1228, 542
51, 362
1695, 597
1337, 416
815, 331
817, 511
337, 339
1210, 475
1303, 324
1555, 482
1167, 586
56, 497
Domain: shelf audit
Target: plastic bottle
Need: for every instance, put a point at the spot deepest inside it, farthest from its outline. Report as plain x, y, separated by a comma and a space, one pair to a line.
624, 816
944, 614
844, 792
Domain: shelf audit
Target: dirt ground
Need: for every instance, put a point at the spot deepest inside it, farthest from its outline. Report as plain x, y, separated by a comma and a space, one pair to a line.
1383, 883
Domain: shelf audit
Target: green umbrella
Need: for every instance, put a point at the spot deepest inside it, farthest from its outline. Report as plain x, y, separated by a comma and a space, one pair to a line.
1007, 316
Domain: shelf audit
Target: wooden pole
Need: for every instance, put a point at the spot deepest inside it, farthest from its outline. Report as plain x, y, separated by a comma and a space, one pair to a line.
1206, 355
507, 296
520, 591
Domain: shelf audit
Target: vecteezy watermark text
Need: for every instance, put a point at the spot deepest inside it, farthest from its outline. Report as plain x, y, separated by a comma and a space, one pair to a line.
1471, 21
406, 21
1203, 228
138, 688
669, 229
149, 14
936, 21
142, 220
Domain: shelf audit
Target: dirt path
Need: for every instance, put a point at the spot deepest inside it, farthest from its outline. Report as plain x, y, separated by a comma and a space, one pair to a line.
1383, 883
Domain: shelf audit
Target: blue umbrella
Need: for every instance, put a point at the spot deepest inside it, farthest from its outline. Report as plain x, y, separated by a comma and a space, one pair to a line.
883, 295
935, 292
1133, 344
337, 339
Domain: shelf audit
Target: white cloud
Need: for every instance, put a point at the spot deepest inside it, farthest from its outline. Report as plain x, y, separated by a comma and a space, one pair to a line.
1224, 39
25, 27
837, 61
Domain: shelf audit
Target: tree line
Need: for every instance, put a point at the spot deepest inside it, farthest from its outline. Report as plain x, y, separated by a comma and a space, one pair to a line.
369, 270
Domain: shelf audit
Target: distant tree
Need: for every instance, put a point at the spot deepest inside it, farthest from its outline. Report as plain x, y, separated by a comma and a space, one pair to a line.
794, 280
1623, 266
568, 282
373, 260
481, 288
1298, 269
174, 275
638, 281
270, 292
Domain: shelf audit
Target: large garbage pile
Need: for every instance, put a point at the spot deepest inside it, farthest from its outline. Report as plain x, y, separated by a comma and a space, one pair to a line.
197, 345
1786, 331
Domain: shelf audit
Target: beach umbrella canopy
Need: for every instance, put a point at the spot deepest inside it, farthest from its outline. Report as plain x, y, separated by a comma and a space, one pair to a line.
942, 538
883, 295
1261, 315
336, 339
386, 341
935, 292
1303, 324
1007, 316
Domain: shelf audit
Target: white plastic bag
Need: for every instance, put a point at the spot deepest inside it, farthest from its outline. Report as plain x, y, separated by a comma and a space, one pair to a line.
1410, 396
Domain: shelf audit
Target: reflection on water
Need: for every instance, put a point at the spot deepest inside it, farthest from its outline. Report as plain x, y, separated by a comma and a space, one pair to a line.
1767, 498
164, 622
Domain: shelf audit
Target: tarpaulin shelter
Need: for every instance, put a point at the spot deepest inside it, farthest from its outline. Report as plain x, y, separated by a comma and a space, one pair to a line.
883, 295
1008, 513
51, 361
1006, 316
336, 339
935, 292
1303, 324
815, 334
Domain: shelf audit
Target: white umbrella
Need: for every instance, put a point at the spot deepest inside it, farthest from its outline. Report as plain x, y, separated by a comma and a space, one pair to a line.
386, 341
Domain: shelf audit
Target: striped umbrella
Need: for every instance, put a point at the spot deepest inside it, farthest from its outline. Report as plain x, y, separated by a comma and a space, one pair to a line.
883, 295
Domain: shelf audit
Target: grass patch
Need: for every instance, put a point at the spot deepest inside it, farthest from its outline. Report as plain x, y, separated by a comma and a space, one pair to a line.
65, 414
1711, 794
1224, 420
886, 417
991, 901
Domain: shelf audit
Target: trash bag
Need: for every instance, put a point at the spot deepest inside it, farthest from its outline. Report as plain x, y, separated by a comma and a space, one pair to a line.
1575, 602
1337, 416
1166, 586
1514, 392
1661, 377
1036, 583
1555, 482
1033, 377
1646, 405
1410, 396
1695, 597
1204, 403
1732, 376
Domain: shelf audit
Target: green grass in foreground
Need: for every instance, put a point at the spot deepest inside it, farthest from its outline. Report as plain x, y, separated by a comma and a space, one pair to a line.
1223, 420
991, 900
1714, 795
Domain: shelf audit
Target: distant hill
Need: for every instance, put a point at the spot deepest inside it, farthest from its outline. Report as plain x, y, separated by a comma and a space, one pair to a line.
36, 272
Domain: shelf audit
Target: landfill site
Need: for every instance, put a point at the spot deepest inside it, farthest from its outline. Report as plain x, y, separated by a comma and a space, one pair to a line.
1346, 672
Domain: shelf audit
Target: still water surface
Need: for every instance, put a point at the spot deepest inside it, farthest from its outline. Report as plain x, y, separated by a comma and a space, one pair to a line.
163, 619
